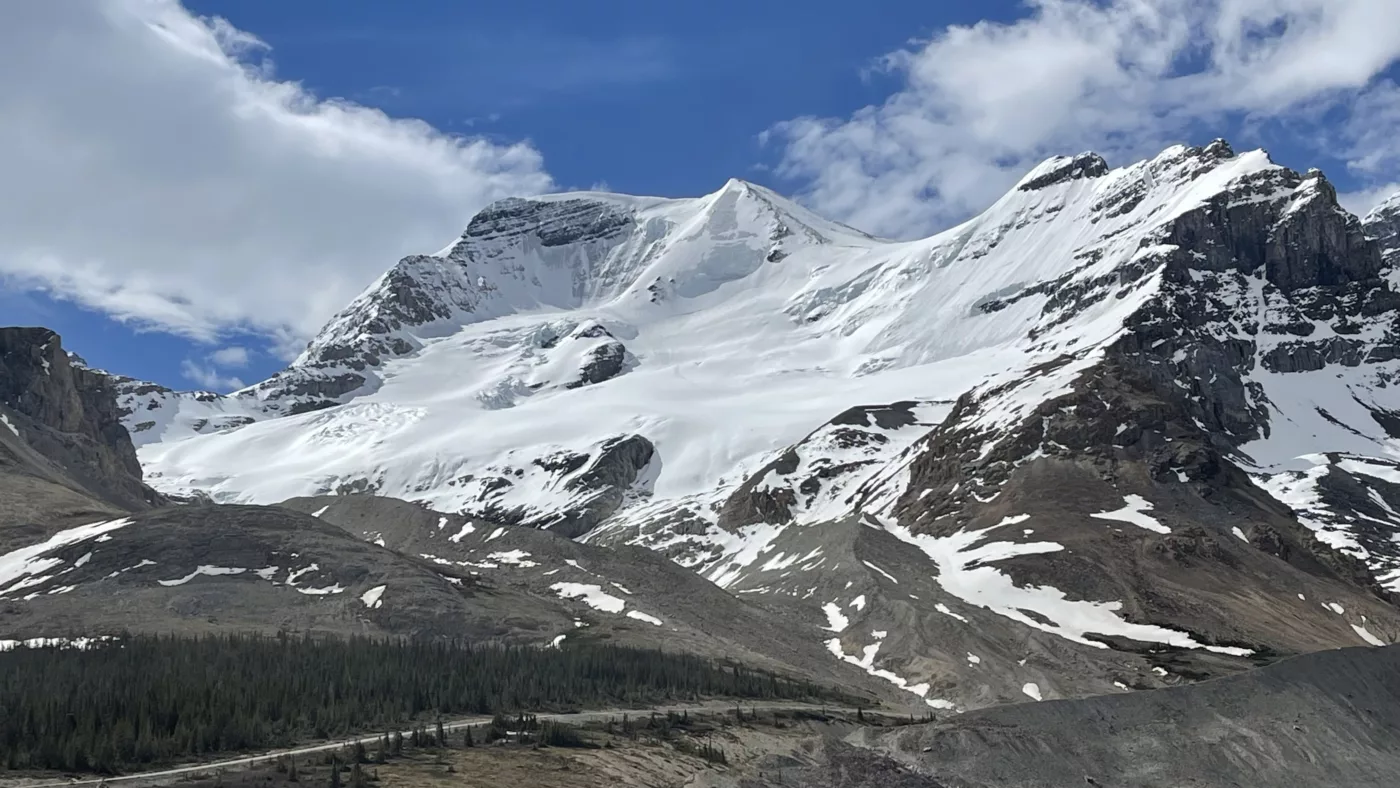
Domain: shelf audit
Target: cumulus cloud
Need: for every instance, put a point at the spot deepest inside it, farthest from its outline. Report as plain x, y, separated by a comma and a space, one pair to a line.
1362, 201
156, 168
231, 356
209, 378
981, 104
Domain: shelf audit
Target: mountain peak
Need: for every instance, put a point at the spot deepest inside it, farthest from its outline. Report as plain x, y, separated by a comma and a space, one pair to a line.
1059, 169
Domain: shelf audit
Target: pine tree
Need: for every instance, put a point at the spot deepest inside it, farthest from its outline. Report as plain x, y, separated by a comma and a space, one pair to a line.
467, 738
335, 773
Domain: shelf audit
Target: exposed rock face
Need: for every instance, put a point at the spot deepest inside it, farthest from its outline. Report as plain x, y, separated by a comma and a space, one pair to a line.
1065, 168
69, 414
429, 295
824, 469
587, 488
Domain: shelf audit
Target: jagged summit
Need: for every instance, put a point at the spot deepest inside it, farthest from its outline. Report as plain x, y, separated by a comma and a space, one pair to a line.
1059, 169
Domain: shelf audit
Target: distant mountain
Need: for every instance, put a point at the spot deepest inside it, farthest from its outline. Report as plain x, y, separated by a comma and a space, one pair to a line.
1127, 428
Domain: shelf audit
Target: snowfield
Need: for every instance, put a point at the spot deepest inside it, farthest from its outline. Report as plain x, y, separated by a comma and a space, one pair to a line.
738, 344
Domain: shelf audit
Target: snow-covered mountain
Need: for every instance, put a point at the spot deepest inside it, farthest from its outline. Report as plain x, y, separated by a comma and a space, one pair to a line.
1125, 426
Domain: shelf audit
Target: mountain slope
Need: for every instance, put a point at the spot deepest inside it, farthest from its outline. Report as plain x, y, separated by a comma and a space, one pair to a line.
1068, 447
628, 595
1315, 721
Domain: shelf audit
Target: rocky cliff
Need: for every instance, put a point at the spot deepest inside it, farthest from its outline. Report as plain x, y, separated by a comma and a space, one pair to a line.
69, 415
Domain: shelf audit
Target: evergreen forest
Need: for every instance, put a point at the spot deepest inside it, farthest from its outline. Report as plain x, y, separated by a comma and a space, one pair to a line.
149, 700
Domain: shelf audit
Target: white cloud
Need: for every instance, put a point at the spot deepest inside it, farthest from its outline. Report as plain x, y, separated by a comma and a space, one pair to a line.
207, 377
156, 169
982, 104
231, 356
1361, 202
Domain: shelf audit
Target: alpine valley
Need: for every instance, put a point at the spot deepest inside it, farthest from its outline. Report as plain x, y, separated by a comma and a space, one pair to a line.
1127, 429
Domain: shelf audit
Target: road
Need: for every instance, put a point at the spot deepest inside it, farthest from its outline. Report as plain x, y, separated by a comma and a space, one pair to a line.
455, 725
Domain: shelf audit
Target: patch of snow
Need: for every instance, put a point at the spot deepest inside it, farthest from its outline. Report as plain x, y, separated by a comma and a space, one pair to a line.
887, 575
145, 562
557, 640
859, 602
513, 557
942, 608
320, 511
467, 528
1237, 532
373, 598
6, 421
1134, 511
836, 620
1335, 608
496, 534
973, 658
205, 569
867, 662
640, 616
1032, 691
74, 643
964, 569
22, 567
296, 574
591, 595
331, 589
1365, 634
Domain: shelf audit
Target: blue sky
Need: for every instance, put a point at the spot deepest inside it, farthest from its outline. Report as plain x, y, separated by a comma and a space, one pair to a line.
656, 98
199, 186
